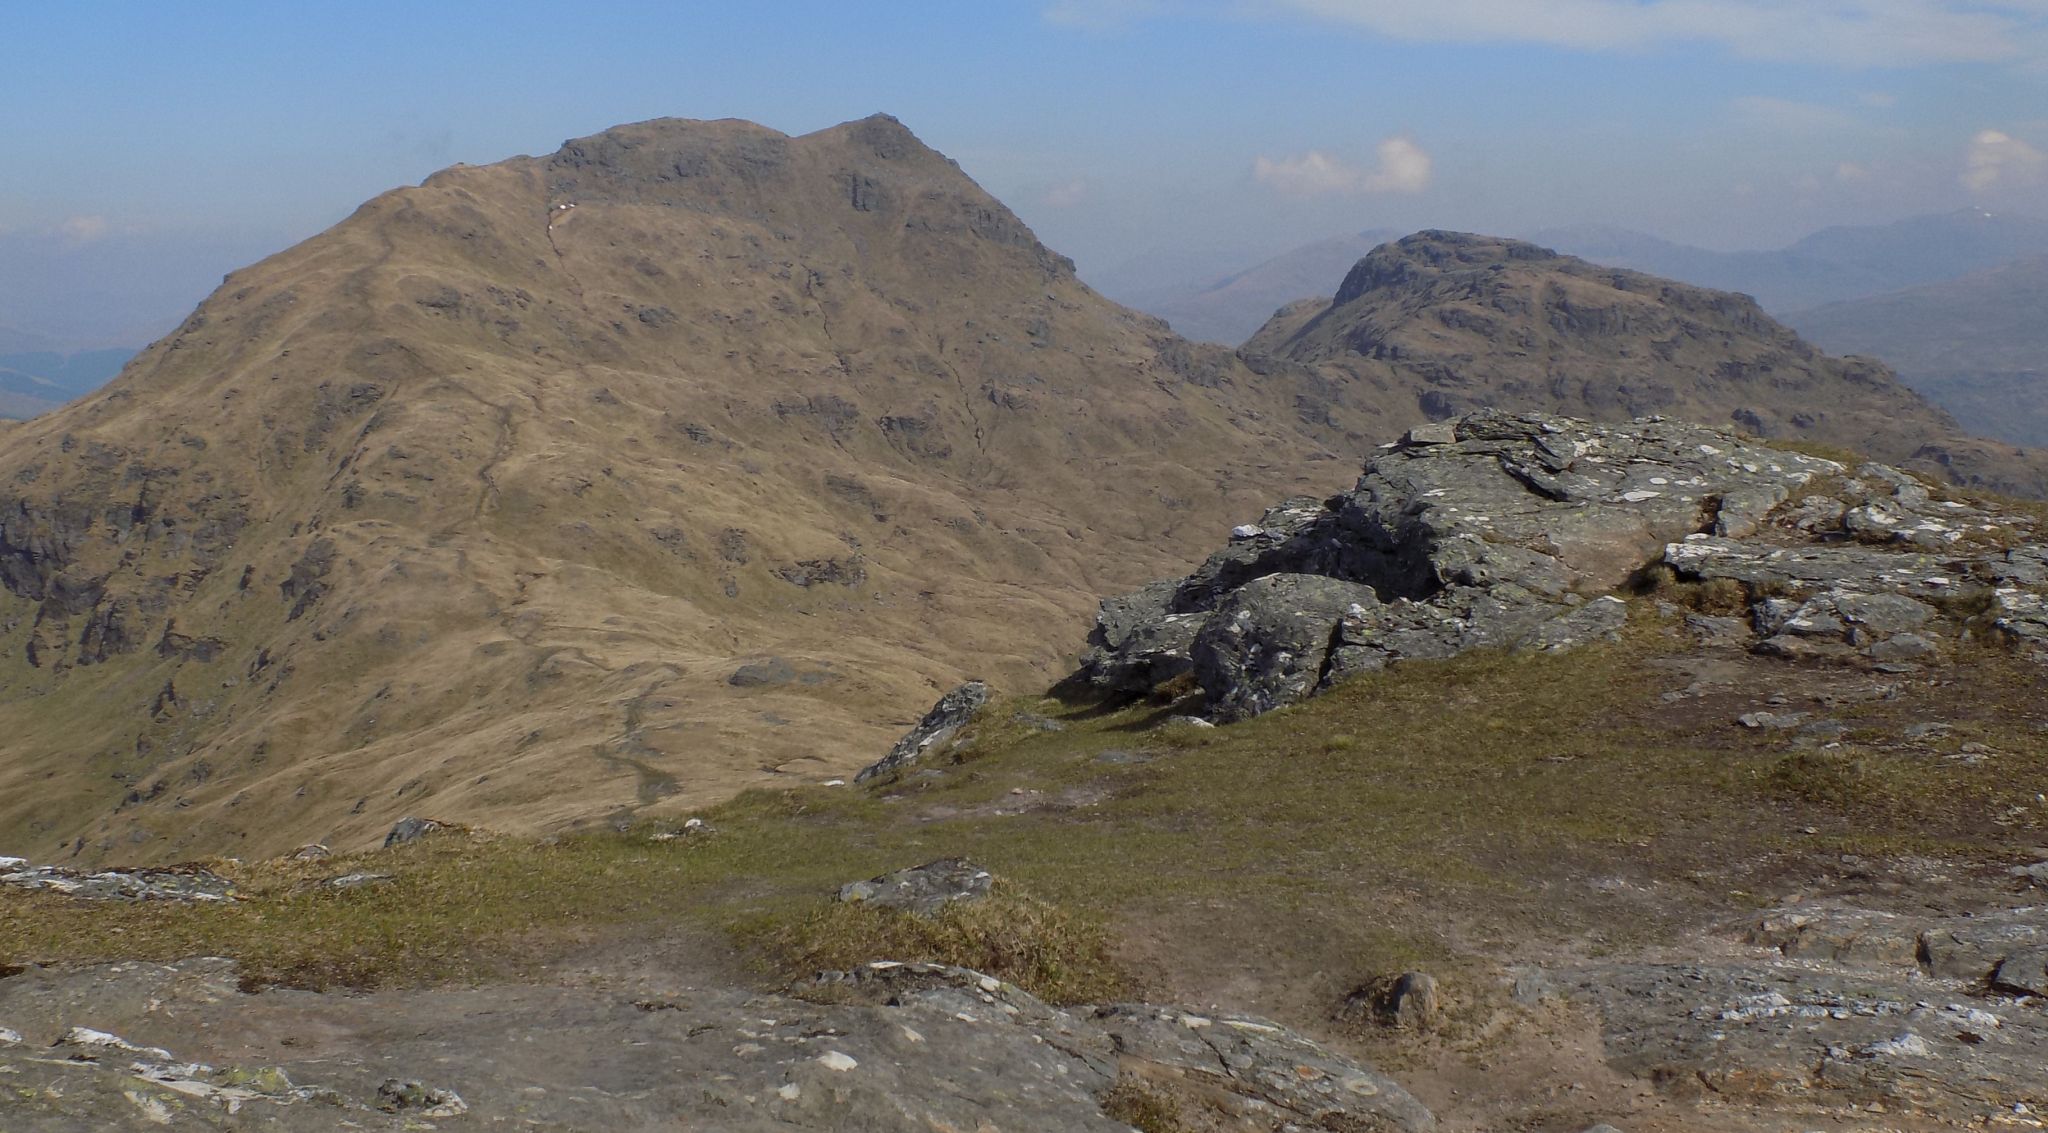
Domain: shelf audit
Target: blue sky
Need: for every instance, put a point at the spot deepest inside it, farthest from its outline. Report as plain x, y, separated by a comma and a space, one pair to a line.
153, 146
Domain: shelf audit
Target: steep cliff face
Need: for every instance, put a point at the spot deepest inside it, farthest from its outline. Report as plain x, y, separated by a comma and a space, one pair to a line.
1449, 323
690, 457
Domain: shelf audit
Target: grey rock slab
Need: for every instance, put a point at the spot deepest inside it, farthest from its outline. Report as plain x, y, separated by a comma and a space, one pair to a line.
1270, 1072
168, 883
1971, 949
922, 890
889, 1047
1797, 1033
1904, 647
940, 724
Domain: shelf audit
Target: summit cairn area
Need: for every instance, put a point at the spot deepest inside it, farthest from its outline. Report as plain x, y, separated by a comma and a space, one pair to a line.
1527, 531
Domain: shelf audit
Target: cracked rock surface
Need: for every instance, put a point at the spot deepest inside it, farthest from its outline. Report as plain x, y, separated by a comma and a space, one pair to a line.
1827, 1000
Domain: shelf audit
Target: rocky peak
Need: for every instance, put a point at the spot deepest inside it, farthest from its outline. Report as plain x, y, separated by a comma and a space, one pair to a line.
1453, 322
1434, 252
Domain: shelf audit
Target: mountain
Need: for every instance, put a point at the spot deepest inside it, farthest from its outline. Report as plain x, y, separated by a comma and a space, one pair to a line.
1978, 346
1444, 323
24, 395
688, 458
1230, 309
1832, 265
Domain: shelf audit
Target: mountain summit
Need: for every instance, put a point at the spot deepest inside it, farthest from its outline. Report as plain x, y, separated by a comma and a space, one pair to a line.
1450, 322
690, 457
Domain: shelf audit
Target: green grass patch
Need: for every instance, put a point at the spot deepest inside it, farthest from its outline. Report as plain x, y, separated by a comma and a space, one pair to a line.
1407, 819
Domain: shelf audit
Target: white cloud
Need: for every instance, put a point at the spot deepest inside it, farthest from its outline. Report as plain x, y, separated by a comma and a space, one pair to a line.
1850, 171
1997, 159
1404, 167
1878, 99
1066, 194
1313, 174
84, 229
1842, 32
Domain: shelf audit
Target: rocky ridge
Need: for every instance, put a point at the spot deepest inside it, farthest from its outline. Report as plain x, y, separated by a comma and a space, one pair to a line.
1525, 531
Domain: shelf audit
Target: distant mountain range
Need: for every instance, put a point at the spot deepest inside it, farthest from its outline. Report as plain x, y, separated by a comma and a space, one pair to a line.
1830, 266
1978, 345
37, 381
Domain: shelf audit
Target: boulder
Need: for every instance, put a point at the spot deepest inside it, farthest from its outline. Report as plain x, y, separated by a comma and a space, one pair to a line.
942, 723
2023, 973
410, 830
1268, 642
1410, 1001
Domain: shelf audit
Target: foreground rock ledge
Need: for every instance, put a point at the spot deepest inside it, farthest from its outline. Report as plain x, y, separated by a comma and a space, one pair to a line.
887, 1046
1521, 530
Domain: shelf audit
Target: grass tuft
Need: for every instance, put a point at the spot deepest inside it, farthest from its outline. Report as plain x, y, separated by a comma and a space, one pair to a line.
1144, 1107
1041, 948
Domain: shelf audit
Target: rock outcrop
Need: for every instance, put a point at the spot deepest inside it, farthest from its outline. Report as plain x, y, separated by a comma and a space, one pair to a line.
939, 725
1527, 531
